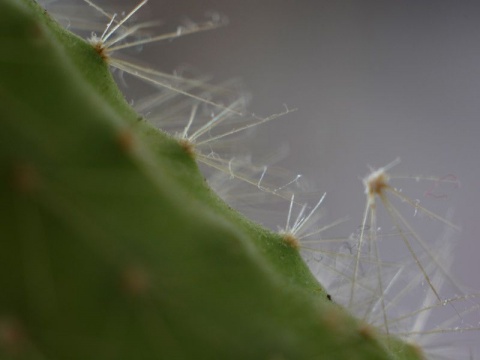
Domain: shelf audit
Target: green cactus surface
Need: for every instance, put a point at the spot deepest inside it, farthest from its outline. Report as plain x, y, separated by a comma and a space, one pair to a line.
111, 244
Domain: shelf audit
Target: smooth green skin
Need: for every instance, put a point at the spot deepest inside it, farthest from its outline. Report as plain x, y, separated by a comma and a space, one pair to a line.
111, 244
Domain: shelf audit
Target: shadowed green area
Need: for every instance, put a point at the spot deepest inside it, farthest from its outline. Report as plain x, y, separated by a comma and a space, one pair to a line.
112, 246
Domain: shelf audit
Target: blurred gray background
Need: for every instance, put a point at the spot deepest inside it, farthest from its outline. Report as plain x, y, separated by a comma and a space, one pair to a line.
373, 80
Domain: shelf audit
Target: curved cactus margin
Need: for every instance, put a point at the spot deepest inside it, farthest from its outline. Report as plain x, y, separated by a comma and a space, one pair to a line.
111, 244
